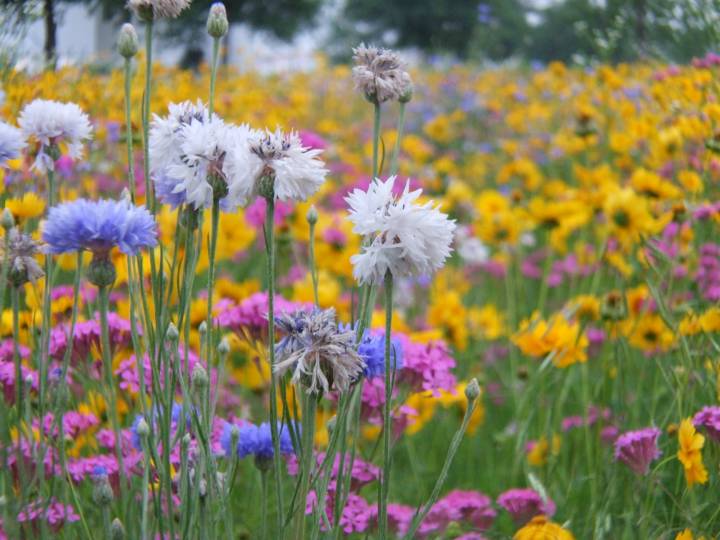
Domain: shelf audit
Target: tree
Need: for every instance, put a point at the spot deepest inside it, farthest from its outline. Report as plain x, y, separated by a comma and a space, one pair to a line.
459, 27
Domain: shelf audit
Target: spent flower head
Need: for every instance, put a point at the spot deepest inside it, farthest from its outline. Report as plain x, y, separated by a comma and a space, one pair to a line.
320, 354
149, 10
379, 75
21, 252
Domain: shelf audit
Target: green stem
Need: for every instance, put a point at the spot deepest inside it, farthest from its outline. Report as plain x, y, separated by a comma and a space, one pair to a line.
104, 294
270, 248
149, 198
128, 130
387, 427
376, 140
308, 436
313, 267
454, 445
396, 149
213, 74
263, 504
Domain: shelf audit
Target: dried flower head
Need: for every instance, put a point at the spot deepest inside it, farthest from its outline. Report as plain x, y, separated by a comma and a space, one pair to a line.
321, 355
379, 74
21, 252
149, 10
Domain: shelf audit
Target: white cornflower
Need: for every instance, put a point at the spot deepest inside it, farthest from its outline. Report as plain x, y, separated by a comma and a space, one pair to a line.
295, 171
470, 248
11, 142
166, 132
157, 9
379, 74
201, 171
321, 355
51, 123
402, 236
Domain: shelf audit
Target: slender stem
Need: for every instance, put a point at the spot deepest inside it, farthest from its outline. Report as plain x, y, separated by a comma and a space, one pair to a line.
308, 435
454, 445
263, 504
129, 130
149, 198
396, 149
387, 427
376, 139
19, 384
104, 294
213, 74
270, 248
313, 266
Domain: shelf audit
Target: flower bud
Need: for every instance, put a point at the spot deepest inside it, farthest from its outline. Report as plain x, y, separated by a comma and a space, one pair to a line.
202, 328
331, 423
117, 531
312, 215
224, 346
7, 220
185, 441
472, 390
3, 501
142, 428
172, 333
199, 377
127, 43
407, 93
101, 272
125, 195
102, 492
202, 488
217, 23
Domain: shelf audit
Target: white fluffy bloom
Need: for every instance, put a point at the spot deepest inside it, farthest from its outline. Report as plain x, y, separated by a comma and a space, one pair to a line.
11, 142
52, 123
296, 172
158, 9
202, 167
402, 236
166, 132
470, 248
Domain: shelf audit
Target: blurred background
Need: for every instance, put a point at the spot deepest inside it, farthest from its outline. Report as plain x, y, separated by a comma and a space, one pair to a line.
281, 35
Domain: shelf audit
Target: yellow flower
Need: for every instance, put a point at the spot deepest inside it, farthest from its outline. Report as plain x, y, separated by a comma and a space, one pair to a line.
690, 454
540, 450
557, 336
650, 333
28, 206
541, 528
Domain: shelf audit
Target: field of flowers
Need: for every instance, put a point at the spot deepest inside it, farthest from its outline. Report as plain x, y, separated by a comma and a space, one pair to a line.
556, 376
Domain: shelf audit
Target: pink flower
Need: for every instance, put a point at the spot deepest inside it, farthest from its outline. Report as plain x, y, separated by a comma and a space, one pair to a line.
524, 504
709, 418
637, 449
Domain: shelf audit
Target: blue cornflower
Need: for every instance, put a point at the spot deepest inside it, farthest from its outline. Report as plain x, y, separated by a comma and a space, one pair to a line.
98, 226
255, 440
372, 351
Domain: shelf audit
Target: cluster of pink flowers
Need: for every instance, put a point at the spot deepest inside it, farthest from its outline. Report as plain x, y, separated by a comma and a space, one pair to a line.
86, 337
251, 313
53, 512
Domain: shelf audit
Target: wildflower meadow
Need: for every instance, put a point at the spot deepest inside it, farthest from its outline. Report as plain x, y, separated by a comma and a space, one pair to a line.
362, 301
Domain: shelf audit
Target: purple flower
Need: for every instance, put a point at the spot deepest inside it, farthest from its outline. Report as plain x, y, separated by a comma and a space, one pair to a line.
709, 418
255, 440
637, 449
99, 226
525, 504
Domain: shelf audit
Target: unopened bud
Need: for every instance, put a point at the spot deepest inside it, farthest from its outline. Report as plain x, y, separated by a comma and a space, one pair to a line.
185, 441
172, 333
7, 220
312, 215
407, 92
142, 428
217, 23
117, 531
472, 390
101, 272
127, 43
199, 377
102, 492
3, 501
202, 488
224, 346
331, 423
202, 328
